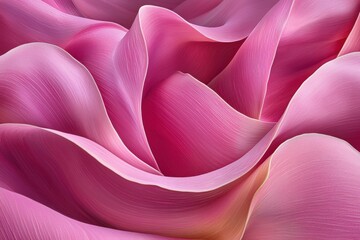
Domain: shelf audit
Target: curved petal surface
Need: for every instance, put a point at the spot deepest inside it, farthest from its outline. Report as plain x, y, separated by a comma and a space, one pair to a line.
23, 218
313, 35
352, 43
232, 19
243, 82
192, 130
312, 192
48, 88
34, 163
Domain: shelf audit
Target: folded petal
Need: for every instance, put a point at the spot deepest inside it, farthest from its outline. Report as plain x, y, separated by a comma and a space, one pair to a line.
191, 51
84, 181
122, 12
126, 67
124, 64
352, 43
66, 6
22, 22
312, 192
232, 19
48, 88
229, 20
23, 218
314, 34
243, 82
328, 102
191, 130
118, 64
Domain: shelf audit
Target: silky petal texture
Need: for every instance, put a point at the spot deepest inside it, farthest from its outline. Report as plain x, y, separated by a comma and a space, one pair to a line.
91, 185
252, 156
243, 83
192, 130
113, 65
96, 178
313, 35
110, 58
352, 43
233, 19
39, 90
311, 110
183, 47
137, 47
119, 65
66, 6
180, 195
122, 12
312, 192
22, 22
23, 218
259, 83
328, 102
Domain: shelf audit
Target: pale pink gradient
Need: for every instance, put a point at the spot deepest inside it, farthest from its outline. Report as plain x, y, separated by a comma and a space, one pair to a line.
159, 119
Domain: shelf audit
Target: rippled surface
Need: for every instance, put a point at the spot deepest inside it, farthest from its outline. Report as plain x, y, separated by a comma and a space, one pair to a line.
234, 119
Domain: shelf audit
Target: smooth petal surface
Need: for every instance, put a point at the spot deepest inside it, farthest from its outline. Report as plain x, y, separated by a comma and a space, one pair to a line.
23, 218
327, 103
314, 34
312, 192
119, 66
175, 45
243, 83
48, 88
134, 64
174, 120
22, 22
232, 19
122, 12
193, 131
66, 6
88, 183
352, 43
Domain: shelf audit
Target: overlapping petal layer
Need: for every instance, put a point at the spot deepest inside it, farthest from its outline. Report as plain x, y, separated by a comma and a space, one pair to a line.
195, 129
231, 19
20, 215
39, 90
311, 192
283, 50
88, 183
314, 34
92, 138
243, 83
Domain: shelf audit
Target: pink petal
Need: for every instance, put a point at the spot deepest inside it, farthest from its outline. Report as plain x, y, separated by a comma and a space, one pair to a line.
232, 19
22, 22
229, 20
119, 11
242, 84
352, 43
191, 130
328, 102
23, 218
110, 57
64, 172
48, 88
66, 6
313, 35
312, 192
191, 51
